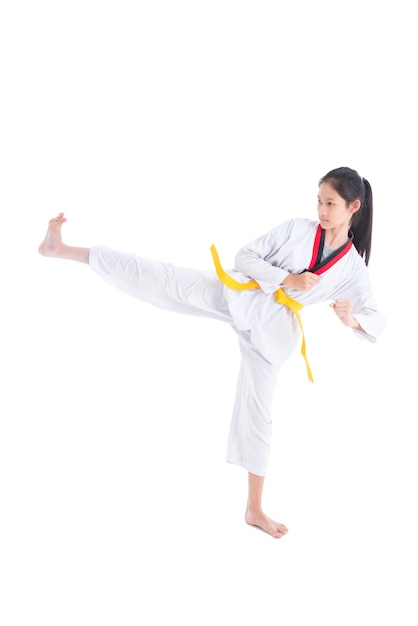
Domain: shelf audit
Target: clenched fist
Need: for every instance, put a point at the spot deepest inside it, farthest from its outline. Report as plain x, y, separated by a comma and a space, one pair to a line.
343, 310
302, 282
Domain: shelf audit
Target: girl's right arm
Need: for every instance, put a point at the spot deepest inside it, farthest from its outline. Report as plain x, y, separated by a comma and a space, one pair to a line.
253, 259
259, 260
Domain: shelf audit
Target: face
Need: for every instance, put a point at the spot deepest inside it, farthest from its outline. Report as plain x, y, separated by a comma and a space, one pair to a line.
333, 210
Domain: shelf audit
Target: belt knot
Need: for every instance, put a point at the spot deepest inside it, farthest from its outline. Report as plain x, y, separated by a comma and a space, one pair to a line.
283, 298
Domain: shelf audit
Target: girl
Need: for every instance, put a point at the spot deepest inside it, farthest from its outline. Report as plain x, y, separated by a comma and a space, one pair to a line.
297, 263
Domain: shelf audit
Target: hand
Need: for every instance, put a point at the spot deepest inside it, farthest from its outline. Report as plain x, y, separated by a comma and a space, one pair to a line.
343, 310
301, 282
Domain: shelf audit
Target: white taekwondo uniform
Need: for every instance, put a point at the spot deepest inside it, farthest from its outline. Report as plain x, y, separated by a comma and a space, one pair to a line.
268, 332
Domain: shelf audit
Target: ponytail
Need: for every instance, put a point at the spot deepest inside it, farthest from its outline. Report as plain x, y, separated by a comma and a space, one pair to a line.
362, 223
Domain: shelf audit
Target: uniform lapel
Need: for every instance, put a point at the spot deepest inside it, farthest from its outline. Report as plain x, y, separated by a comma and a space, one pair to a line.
317, 266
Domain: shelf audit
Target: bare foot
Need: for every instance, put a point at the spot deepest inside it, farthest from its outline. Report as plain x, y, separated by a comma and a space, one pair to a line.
260, 520
52, 244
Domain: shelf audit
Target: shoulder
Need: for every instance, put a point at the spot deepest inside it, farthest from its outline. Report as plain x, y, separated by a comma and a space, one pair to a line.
358, 269
297, 225
356, 259
295, 228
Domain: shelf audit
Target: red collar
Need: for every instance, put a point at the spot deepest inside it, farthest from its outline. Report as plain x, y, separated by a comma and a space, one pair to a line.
316, 266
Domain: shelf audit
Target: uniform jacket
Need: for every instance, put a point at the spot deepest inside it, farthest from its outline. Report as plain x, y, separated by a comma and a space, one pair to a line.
287, 249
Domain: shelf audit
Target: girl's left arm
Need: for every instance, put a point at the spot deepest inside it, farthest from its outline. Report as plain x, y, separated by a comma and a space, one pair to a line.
358, 310
344, 311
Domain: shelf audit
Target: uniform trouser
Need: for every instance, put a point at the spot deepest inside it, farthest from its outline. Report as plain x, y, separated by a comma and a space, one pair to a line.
200, 293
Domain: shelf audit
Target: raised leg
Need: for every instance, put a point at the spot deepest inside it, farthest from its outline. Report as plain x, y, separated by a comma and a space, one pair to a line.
53, 246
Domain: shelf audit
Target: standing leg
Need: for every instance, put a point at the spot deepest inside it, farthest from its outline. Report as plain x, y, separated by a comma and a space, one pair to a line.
254, 514
251, 429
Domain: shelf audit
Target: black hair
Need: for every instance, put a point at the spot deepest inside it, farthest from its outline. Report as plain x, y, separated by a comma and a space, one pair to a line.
351, 186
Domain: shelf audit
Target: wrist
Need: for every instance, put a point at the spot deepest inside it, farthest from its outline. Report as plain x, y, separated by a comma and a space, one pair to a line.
288, 280
355, 325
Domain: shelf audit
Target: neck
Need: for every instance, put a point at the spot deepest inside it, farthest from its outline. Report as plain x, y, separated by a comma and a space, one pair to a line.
336, 237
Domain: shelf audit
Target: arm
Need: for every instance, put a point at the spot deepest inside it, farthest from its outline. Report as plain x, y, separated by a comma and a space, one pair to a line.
253, 260
274, 259
344, 311
356, 308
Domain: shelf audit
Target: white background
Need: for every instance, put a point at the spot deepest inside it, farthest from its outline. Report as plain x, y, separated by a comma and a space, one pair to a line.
163, 127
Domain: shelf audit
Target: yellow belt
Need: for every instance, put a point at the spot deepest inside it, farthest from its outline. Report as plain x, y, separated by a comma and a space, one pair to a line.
281, 298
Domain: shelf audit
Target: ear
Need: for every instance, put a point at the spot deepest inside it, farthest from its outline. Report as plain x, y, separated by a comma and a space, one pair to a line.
354, 206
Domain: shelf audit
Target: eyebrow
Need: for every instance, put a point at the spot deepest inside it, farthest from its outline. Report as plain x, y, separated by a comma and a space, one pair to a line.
327, 198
